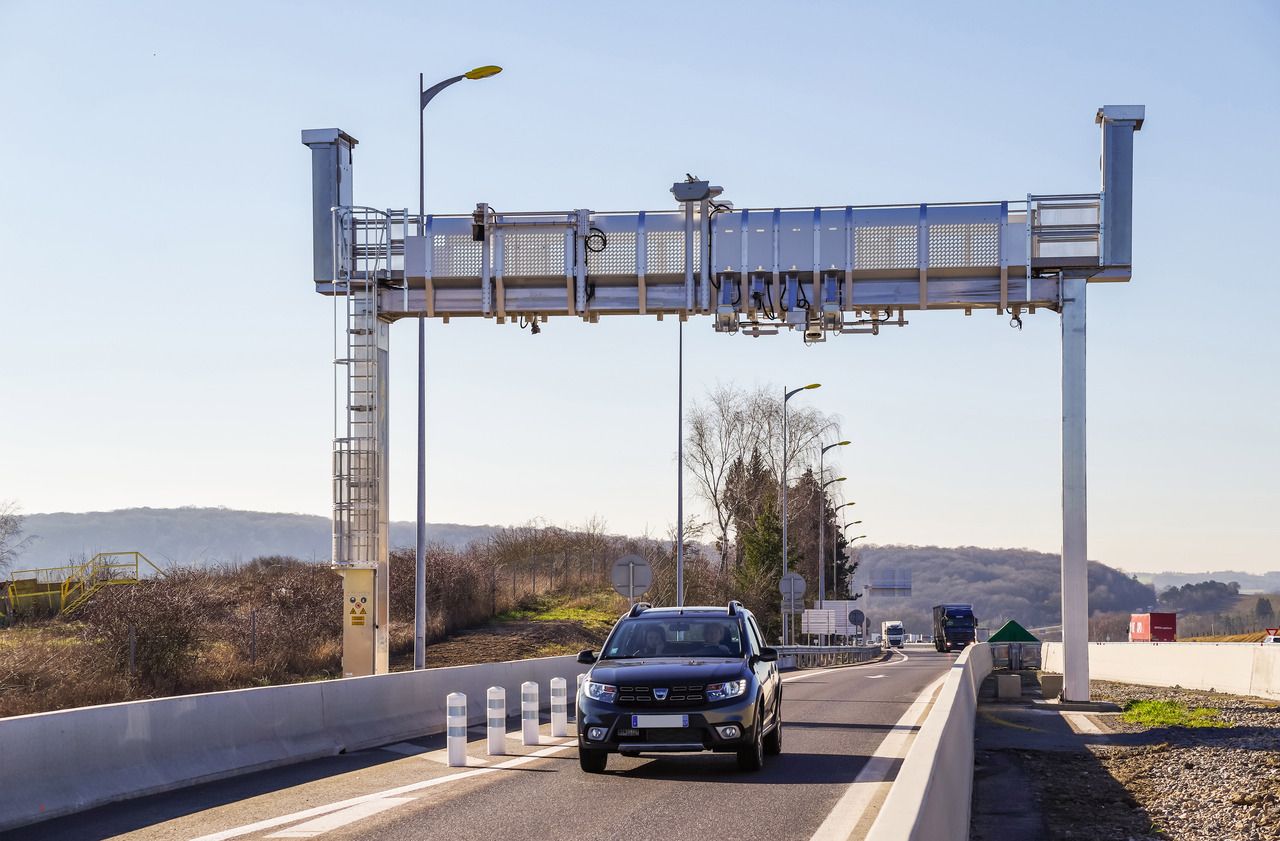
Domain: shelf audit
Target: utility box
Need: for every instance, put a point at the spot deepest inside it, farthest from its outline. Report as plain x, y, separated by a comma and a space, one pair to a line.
1153, 627
359, 621
1008, 687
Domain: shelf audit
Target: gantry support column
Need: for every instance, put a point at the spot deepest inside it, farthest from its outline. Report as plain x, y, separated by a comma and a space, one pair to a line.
1075, 573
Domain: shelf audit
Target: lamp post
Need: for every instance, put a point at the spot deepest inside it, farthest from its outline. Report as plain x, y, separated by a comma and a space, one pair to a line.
835, 554
822, 528
420, 570
786, 396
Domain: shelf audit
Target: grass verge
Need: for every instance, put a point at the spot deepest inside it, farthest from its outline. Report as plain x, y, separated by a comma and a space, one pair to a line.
1170, 714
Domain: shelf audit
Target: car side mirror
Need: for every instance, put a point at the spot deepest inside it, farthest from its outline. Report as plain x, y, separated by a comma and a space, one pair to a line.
586, 657
768, 655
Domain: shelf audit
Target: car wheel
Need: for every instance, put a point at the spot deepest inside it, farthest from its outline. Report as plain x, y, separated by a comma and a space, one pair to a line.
773, 739
751, 758
593, 761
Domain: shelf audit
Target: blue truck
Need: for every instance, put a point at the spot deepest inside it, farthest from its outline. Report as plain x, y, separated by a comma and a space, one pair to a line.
954, 626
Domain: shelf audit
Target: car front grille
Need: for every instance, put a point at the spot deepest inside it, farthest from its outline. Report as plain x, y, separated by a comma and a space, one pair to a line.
643, 695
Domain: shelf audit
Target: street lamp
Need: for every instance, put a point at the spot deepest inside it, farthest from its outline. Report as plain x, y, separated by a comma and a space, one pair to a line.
835, 551
822, 517
786, 396
420, 570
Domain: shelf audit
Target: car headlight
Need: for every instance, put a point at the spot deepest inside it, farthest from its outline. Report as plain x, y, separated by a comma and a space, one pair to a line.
600, 691
728, 689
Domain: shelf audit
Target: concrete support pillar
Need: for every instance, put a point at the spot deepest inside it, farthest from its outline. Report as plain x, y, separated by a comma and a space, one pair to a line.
1075, 580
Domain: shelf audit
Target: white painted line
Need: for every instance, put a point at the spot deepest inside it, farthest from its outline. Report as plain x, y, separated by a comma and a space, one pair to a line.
874, 677
272, 823
336, 820
1081, 724
873, 780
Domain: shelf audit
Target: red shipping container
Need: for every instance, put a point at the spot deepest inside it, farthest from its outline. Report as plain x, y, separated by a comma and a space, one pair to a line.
1153, 627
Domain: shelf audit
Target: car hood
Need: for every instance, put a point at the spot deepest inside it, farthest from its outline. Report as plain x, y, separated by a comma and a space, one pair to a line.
657, 671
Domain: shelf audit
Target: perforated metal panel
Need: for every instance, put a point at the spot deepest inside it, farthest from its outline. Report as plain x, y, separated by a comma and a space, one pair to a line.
665, 252
885, 247
618, 256
963, 245
538, 254
454, 255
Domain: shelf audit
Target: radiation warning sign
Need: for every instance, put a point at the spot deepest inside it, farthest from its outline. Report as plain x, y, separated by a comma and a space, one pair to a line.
358, 613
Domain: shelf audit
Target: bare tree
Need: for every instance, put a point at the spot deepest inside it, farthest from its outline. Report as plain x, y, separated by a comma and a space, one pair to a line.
719, 430
732, 424
11, 540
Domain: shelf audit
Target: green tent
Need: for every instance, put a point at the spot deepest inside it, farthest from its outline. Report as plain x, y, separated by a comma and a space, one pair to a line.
1012, 632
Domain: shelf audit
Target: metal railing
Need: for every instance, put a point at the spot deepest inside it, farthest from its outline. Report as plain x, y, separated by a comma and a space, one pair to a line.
820, 656
66, 588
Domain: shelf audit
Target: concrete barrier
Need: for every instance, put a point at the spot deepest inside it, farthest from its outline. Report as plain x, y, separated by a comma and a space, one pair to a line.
61, 762
1239, 668
931, 795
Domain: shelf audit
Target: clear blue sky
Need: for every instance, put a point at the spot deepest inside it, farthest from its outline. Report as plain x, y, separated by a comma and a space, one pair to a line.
163, 346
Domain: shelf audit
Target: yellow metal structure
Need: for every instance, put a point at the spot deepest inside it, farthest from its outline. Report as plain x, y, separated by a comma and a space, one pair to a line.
359, 622
66, 588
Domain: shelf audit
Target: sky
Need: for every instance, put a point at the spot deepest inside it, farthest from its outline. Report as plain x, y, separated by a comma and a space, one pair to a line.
163, 344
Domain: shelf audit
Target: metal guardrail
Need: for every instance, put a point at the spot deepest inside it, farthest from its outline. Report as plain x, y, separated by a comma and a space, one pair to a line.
819, 656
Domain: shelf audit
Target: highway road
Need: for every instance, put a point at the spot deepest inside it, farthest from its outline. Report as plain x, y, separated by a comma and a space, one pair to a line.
846, 731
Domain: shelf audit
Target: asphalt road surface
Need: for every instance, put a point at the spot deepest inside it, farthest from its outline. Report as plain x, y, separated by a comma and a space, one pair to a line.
845, 732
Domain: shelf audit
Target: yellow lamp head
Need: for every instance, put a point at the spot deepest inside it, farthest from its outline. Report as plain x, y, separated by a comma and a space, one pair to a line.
483, 72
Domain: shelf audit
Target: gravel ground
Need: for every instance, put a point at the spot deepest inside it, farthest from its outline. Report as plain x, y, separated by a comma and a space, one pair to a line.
1203, 784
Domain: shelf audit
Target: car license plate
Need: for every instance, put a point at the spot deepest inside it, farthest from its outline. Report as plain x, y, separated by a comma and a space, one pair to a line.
659, 721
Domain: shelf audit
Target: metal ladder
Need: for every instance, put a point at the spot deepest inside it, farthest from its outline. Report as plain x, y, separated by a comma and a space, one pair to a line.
364, 257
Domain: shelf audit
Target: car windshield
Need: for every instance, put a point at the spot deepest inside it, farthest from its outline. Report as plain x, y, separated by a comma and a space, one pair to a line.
677, 636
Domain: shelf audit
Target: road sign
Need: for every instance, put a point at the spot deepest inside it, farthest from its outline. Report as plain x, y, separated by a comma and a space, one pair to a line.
857, 617
1273, 632
631, 576
791, 586
818, 622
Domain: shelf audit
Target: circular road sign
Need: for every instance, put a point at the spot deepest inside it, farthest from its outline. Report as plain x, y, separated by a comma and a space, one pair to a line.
791, 584
856, 617
631, 575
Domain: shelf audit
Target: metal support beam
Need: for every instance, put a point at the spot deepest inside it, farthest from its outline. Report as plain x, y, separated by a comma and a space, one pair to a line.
1075, 563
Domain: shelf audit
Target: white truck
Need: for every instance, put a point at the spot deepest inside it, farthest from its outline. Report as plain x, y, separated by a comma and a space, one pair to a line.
892, 632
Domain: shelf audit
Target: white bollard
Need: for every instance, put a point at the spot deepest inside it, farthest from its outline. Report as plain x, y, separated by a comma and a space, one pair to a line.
559, 715
456, 734
497, 731
573, 707
529, 712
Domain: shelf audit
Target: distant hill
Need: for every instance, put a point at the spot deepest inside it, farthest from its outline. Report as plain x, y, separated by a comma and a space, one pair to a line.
1267, 582
1001, 584
202, 535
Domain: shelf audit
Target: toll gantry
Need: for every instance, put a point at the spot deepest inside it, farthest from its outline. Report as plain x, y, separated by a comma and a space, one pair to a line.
818, 272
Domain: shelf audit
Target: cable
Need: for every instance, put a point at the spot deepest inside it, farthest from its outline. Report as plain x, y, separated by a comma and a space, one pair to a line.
596, 237
1015, 320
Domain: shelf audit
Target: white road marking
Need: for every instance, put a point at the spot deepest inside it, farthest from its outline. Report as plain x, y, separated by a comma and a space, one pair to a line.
336, 820
1081, 723
874, 677
873, 780
272, 823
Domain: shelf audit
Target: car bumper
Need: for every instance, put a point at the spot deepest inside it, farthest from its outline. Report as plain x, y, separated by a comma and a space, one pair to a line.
704, 731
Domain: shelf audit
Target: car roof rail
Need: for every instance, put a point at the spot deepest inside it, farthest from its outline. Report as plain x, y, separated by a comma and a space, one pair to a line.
734, 607
639, 608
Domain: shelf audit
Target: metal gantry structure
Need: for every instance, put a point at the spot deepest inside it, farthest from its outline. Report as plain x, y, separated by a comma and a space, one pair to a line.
817, 272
